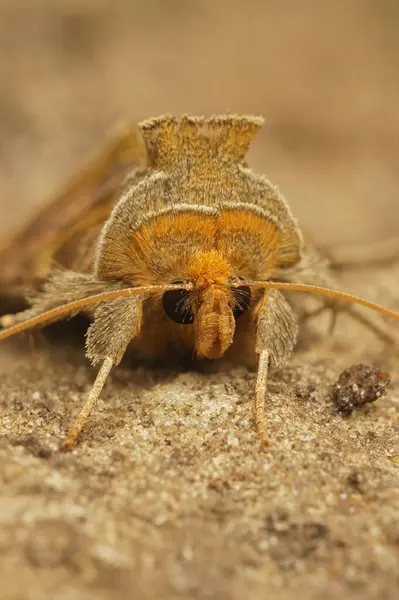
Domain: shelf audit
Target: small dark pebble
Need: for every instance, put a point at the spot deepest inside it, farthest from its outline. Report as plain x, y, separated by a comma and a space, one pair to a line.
357, 386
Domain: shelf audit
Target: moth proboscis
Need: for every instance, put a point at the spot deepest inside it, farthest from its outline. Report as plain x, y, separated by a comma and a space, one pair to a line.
172, 244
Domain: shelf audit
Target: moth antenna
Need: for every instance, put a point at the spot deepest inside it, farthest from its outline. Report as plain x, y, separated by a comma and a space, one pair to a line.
78, 305
92, 398
322, 291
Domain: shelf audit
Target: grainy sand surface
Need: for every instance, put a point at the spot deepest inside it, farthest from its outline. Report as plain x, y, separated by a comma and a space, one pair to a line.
168, 493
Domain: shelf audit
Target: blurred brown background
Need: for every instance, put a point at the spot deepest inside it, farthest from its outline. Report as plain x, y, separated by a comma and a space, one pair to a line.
323, 73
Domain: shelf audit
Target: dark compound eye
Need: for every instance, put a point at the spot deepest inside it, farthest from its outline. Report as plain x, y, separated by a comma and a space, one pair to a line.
174, 305
242, 296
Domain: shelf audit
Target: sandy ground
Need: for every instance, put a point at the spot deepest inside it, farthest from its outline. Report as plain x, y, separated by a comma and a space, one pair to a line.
168, 494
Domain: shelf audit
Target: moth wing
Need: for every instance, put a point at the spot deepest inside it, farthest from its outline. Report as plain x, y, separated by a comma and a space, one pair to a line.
65, 231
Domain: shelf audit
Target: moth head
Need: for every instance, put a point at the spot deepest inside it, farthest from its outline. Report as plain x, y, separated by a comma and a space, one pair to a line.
202, 298
211, 306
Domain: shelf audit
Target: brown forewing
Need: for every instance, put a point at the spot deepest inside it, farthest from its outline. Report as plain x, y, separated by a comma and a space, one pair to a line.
64, 233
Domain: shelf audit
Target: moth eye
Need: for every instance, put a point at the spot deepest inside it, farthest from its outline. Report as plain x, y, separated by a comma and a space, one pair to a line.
174, 305
242, 297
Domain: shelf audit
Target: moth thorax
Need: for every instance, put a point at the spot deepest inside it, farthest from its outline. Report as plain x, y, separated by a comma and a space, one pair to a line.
214, 322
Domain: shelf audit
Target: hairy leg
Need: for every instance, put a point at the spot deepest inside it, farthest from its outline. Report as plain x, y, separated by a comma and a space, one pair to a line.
315, 269
276, 331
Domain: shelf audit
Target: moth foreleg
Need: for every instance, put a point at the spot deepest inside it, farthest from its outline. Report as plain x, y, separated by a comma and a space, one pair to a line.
92, 398
276, 331
260, 395
115, 324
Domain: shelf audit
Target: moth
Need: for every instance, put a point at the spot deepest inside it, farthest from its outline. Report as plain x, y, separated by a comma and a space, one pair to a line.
174, 246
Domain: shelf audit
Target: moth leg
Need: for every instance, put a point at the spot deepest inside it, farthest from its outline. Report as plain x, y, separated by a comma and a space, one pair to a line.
92, 398
316, 271
276, 331
336, 309
260, 396
377, 328
115, 324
